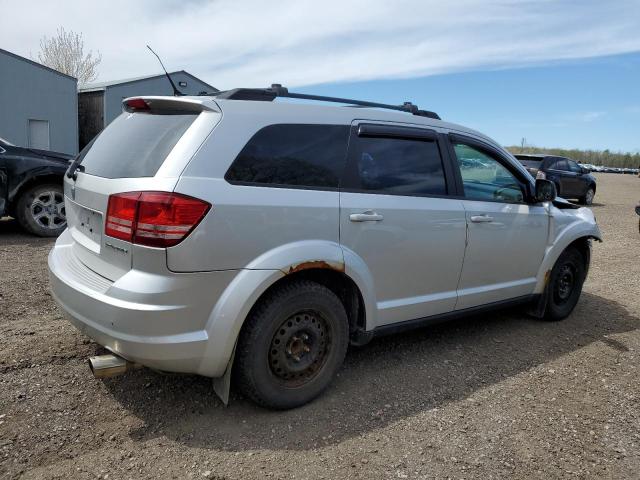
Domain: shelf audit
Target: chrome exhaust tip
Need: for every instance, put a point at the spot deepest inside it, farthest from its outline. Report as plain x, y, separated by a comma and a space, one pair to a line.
104, 366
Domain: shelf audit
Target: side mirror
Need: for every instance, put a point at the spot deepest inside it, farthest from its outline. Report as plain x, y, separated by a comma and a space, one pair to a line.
545, 190
584, 170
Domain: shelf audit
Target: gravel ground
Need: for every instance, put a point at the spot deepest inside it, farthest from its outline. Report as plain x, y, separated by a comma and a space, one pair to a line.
494, 396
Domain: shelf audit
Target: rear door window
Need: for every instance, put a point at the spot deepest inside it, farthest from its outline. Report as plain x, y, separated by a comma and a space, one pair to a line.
134, 145
288, 155
399, 166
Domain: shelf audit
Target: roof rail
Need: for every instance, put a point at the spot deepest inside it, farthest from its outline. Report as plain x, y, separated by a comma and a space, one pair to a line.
276, 90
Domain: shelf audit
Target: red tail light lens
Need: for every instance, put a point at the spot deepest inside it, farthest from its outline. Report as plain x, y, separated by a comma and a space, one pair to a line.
154, 219
137, 105
121, 215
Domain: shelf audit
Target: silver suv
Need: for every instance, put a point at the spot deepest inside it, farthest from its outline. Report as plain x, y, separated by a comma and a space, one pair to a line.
248, 239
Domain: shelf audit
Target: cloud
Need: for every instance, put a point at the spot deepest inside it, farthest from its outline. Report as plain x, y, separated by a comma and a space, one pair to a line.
585, 116
301, 42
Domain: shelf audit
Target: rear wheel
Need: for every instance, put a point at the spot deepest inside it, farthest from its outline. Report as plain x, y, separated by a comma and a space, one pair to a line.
565, 284
41, 211
292, 345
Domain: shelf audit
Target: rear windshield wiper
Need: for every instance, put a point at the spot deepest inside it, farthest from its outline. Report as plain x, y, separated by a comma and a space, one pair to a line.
74, 167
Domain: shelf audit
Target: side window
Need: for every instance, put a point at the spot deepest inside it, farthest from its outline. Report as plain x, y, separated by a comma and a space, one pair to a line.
560, 164
293, 155
484, 177
574, 167
398, 166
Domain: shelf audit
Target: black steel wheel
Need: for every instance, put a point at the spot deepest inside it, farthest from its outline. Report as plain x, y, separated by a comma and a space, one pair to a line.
292, 345
565, 284
300, 348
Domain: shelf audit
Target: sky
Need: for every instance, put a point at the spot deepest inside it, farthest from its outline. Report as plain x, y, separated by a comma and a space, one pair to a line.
558, 73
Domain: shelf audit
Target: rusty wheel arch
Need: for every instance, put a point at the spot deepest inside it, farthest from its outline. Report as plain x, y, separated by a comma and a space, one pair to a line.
331, 276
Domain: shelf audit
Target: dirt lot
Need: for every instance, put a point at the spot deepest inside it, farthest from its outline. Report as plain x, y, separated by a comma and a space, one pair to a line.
487, 397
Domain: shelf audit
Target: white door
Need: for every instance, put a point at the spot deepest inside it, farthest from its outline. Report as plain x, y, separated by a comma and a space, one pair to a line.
39, 134
396, 215
507, 237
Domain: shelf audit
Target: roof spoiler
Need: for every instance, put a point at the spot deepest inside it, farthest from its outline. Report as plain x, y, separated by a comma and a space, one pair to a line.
168, 105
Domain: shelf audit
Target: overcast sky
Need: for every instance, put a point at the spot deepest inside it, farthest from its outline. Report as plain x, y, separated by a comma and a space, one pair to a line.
302, 43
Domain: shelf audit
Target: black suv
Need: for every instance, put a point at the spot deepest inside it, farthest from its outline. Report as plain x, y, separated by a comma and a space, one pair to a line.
31, 188
571, 179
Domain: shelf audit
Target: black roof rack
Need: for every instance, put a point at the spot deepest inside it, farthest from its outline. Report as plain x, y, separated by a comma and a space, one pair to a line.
277, 90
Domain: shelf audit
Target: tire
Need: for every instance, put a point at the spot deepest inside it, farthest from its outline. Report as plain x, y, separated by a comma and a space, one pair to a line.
40, 210
588, 197
291, 346
565, 284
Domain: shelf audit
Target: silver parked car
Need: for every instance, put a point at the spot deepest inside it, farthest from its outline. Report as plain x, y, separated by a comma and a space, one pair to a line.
243, 238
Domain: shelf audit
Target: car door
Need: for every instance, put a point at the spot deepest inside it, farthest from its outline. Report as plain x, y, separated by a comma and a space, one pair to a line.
506, 236
3, 180
398, 217
560, 174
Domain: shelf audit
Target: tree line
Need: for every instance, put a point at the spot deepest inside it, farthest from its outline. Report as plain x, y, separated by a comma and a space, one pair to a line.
594, 157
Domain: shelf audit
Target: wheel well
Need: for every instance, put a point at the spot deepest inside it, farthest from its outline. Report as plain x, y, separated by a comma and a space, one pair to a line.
340, 284
32, 182
583, 246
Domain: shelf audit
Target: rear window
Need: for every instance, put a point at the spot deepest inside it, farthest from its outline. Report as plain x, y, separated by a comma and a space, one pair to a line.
288, 155
530, 162
134, 145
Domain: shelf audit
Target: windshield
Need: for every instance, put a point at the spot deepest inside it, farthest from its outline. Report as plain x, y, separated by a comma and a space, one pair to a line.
134, 145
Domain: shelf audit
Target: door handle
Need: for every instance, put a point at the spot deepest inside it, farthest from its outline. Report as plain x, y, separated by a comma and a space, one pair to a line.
368, 216
481, 219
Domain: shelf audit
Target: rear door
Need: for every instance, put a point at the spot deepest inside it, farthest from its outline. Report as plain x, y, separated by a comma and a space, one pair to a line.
397, 215
507, 237
139, 150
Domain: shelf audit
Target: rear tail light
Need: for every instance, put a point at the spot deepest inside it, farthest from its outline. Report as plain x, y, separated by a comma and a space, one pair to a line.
136, 105
153, 219
541, 175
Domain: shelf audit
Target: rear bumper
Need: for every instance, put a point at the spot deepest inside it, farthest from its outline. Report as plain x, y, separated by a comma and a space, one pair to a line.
156, 320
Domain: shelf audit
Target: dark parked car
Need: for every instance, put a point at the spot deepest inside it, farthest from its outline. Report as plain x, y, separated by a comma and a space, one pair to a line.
571, 179
31, 188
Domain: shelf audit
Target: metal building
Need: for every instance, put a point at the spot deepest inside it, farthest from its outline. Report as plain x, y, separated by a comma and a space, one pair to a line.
38, 105
100, 103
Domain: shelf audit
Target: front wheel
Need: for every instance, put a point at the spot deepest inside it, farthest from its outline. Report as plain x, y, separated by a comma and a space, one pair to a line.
41, 211
588, 197
565, 284
292, 345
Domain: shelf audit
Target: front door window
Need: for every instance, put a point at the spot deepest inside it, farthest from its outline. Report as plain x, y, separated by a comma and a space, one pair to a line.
484, 178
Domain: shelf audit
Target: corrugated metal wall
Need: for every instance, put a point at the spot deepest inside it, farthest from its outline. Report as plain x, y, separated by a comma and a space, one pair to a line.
30, 92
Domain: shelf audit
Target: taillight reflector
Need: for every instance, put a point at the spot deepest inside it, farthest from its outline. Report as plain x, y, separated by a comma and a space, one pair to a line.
154, 219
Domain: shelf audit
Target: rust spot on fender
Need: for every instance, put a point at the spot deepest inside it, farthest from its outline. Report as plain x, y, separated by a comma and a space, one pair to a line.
547, 277
338, 267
